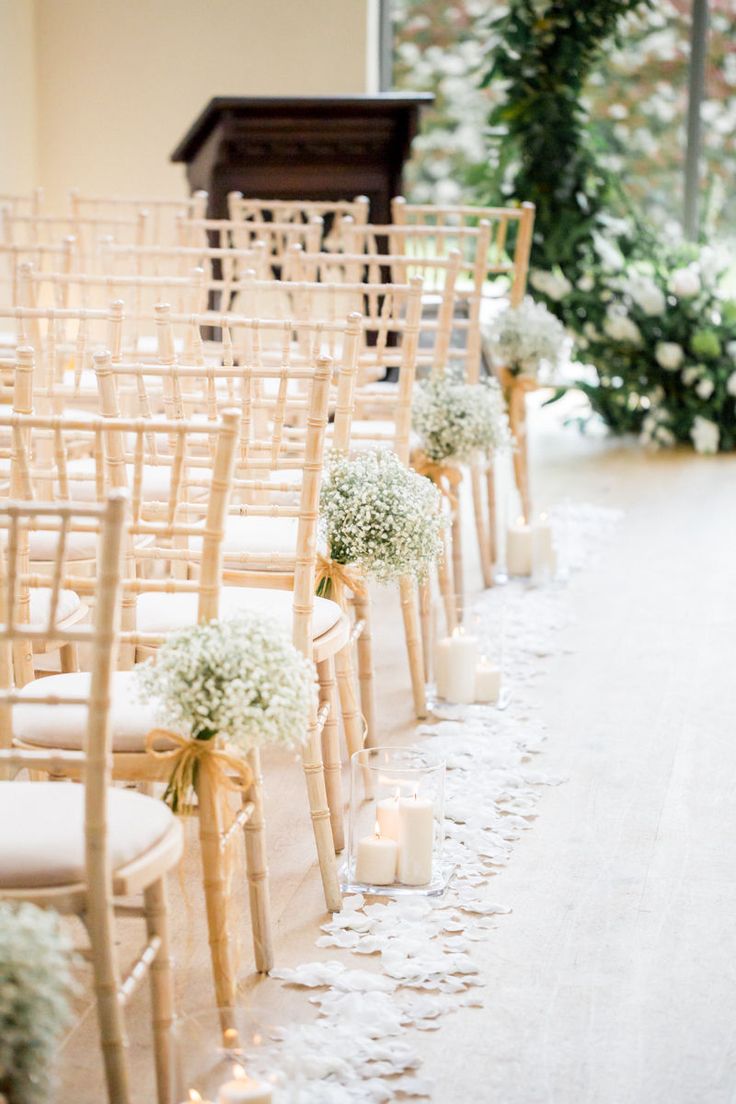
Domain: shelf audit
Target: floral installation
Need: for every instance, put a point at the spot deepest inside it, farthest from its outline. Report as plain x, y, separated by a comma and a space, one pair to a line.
524, 339
380, 516
237, 682
660, 332
35, 987
455, 421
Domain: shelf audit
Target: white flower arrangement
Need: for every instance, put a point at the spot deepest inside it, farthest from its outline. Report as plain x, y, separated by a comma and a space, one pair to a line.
457, 420
239, 679
522, 339
35, 986
380, 516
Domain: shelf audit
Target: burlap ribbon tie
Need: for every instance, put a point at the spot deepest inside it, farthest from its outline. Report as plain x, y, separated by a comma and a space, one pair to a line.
337, 575
190, 758
446, 477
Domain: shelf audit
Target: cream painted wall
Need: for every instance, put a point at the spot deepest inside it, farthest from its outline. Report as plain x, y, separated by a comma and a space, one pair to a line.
119, 81
18, 133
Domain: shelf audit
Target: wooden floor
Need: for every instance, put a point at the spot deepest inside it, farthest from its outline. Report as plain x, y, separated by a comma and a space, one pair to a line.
614, 979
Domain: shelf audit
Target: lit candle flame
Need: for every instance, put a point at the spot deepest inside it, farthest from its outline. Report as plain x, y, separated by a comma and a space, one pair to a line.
458, 631
239, 1073
397, 793
257, 1040
230, 1036
194, 1095
377, 830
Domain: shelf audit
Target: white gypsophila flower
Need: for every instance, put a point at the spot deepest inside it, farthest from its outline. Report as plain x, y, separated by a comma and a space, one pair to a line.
240, 679
705, 435
35, 987
457, 420
731, 385
620, 327
553, 284
378, 514
646, 295
669, 355
524, 337
705, 388
684, 282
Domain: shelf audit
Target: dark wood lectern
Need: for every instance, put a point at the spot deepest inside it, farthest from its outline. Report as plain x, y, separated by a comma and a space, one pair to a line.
302, 148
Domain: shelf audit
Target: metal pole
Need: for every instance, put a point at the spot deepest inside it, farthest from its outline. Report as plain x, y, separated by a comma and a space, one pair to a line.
696, 92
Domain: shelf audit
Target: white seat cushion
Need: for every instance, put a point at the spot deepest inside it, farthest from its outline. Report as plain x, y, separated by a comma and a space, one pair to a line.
363, 429
44, 543
259, 534
164, 613
156, 481
64, 726
42, 831
69, 603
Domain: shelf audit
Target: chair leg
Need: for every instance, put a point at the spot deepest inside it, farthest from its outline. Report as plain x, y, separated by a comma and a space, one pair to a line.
216, 891
444, 580
331, 749
366, 675
458, 580
491, 496
162, 986
320, 814
100, 925
517, 421
410, 613
257, 865
69, 658
486, 565
351, 719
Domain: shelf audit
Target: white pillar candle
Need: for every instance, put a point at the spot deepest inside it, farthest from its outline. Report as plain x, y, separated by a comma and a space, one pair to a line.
375, 859
243, 1090
387, 817
543, 550
456, 657
519, 547
416, 840
487, 681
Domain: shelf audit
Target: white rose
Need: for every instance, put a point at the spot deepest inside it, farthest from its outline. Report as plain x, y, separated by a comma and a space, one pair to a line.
731, 385
586, 283
669, 355
705, 388
705, 435
619, 327
647, 296
684, 283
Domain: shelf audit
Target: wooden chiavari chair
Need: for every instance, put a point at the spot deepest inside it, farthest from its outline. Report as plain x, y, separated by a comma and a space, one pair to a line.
245, 209
508, 259
82, 850
162, 212
30, 203
52, 229
276, 238
181, 527
269, 511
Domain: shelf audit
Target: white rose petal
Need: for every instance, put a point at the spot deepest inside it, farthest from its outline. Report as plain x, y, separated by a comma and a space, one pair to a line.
705, 388
669, 355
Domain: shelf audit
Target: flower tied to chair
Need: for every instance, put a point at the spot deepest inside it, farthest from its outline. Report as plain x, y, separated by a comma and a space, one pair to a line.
332, 578
446, 477
190, 758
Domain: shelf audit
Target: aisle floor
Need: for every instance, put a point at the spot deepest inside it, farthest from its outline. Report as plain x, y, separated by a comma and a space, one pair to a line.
613, 981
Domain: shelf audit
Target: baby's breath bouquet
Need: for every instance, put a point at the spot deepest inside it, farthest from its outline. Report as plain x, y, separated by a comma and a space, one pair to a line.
456, 420
525, 338
239, 682
35, 985
380, 516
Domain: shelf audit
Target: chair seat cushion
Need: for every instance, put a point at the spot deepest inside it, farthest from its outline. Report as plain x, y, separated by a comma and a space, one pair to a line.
155, 487
42, 831
64, 726
69, 603
164, 613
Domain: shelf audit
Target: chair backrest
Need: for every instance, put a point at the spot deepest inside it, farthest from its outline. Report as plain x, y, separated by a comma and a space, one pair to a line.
276, 238
30, 203
332, 212
63, 458
52, 229
162, 212
511, 234
58, 289
104, 522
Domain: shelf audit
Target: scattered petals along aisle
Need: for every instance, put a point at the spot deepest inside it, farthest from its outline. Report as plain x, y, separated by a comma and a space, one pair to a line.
414, 961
